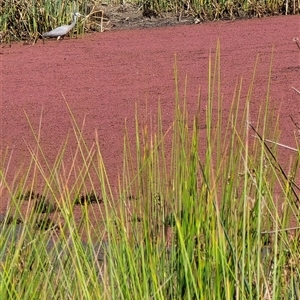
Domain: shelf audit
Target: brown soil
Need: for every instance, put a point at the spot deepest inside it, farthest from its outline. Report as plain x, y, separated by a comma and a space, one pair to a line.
103, 75
129, 16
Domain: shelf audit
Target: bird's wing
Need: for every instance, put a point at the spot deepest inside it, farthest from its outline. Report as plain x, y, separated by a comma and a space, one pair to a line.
59, 31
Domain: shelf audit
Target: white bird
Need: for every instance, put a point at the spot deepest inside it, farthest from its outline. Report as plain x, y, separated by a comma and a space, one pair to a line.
62, 30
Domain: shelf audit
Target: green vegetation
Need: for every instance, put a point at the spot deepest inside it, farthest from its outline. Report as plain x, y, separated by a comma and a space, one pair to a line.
27, 19
23, 19
226, 9
183, 226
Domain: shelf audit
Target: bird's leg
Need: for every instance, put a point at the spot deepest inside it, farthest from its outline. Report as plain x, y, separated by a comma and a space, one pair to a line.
58, 37
296, 40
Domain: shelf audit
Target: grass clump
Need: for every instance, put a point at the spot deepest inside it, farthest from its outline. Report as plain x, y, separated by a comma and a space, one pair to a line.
196, 215
215, 10
27, 20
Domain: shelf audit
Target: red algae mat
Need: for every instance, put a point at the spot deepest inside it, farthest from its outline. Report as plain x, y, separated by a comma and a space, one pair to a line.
103, 76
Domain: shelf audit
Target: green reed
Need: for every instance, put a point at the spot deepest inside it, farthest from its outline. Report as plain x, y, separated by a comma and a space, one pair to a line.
182, 225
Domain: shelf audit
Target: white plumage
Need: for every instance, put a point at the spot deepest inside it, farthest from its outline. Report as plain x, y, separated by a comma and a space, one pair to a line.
62, 30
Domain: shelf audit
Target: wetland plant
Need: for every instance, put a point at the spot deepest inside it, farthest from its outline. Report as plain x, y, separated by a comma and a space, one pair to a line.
209, 227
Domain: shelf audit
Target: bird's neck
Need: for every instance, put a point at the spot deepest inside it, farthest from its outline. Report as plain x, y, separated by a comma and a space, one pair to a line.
74, 18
